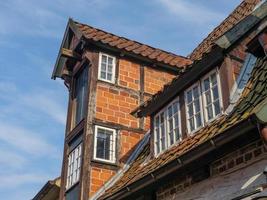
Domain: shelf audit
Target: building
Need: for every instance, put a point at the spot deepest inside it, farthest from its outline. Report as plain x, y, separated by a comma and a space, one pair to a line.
50, 191
208, 126
107, 77
206, 136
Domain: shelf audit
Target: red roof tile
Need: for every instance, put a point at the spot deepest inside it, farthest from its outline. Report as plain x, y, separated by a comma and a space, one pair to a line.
131, 46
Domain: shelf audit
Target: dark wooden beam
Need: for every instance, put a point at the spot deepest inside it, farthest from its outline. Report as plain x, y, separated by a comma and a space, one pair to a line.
67, 53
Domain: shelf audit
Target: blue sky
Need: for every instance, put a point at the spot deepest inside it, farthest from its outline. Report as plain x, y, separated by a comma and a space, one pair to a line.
33, 107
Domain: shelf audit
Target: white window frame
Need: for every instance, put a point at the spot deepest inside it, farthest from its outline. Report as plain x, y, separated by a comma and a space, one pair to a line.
114, 135
219, 93
166, 128
201, 108
74, 166
113, 67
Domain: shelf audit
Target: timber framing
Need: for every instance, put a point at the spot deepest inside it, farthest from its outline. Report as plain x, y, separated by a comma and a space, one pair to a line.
68, 53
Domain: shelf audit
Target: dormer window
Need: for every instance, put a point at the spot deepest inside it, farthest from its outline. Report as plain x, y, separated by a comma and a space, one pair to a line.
193, 108
211, 96
106, 69
167, 129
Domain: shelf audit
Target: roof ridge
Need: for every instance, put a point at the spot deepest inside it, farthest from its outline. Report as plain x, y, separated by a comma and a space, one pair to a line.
123, 37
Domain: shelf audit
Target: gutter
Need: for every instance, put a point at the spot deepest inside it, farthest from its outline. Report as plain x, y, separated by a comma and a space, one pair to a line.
127, 165
199, 151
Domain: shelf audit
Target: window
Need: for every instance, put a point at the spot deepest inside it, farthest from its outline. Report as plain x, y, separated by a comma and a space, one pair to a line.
105, 143
211, 96
81, 88
74, 166
106, 70
167, 127
193, 108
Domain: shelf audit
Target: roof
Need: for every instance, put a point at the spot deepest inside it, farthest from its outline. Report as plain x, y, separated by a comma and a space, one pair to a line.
49, 191
131, 46
242, 10
208, 61
254, 93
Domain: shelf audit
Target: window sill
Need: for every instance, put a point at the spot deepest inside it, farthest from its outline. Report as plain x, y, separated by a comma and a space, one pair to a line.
102, 162
75, 131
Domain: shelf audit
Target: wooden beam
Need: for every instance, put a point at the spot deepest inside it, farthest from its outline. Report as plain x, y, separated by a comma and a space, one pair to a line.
67, 53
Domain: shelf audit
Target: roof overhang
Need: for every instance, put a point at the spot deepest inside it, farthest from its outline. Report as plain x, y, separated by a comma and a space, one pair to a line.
70, 31
197, 69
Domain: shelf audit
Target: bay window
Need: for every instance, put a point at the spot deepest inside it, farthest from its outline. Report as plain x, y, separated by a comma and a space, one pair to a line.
167, 127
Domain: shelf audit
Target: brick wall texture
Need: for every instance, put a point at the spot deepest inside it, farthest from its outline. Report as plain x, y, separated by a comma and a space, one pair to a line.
114, 103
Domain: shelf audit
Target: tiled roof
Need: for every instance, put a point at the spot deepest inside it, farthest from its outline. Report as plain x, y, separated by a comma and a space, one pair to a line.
132, 46
254, 93
243, 10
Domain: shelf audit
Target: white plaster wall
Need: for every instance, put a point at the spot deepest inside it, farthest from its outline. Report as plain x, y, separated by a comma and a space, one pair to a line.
226, 186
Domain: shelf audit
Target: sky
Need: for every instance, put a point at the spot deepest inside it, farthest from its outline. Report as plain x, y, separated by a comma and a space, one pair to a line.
33, 107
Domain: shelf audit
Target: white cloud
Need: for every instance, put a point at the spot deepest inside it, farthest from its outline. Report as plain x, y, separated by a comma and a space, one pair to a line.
26, 140
15, 180
11, 160
191, 12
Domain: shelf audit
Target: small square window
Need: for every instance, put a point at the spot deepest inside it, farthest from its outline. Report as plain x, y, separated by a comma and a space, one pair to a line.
105, 144
106, 69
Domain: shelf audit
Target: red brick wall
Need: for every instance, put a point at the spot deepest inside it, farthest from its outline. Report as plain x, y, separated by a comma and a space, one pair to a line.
129, 74
114, 103
156, 79
98, 177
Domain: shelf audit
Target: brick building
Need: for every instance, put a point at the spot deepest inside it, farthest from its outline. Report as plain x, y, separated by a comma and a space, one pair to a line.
107, 77
208, 126
206, 136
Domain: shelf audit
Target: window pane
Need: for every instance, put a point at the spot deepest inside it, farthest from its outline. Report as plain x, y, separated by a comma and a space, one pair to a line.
197, 105
190, 110
191, 124
104, 59
217, 107
171, 138
103, 75
208, 97
103, 67
175, 107
177, 135
189, 96
170, 111
209, 112
215, 93
81, 94
213, 79
176, 120
110, 68
198, 120
206, 84
110, 61
195, 92
109, 77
